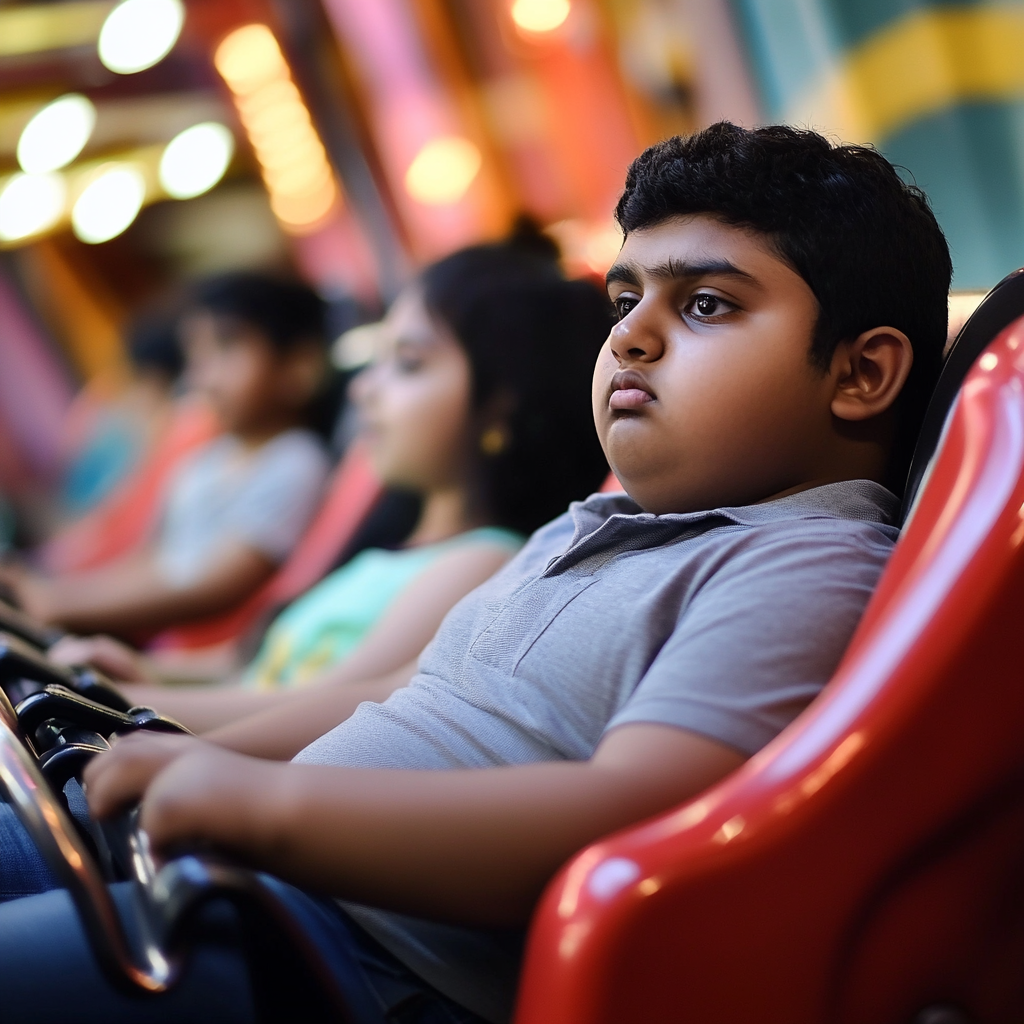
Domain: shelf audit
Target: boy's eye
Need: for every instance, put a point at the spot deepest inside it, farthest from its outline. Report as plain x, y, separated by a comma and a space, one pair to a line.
706, 305
624, 305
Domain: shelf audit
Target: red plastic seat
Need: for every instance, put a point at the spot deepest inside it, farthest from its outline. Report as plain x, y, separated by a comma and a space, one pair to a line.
353, 491
869, 863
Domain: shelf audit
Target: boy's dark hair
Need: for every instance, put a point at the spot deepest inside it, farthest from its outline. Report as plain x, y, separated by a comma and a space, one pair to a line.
286, 312
154, 346
532, 338
866, 243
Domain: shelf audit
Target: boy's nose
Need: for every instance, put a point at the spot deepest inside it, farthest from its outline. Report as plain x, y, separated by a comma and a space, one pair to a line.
634, 340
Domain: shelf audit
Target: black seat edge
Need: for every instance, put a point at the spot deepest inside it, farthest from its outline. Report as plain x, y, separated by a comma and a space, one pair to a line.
999, 309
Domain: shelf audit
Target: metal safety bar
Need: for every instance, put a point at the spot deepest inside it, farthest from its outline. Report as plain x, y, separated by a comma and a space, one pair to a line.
166, 898
56, 838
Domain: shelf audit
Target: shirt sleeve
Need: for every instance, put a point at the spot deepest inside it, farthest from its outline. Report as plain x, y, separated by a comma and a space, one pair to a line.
761, 637
275, 504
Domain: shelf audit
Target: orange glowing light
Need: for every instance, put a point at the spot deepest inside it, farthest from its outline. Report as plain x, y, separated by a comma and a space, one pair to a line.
292, 158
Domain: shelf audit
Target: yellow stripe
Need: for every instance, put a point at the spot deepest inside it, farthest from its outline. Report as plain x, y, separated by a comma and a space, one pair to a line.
917, 66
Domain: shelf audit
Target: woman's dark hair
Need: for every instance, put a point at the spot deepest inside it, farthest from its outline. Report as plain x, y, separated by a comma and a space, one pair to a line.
864, 240
532, 338
287, 312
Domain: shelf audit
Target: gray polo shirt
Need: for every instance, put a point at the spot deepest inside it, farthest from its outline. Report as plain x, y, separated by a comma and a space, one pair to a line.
726, 623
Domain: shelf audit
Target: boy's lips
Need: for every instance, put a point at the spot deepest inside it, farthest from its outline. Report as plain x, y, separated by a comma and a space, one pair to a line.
629, 391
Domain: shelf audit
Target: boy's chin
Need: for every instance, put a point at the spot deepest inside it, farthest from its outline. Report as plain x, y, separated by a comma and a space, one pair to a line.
660, 494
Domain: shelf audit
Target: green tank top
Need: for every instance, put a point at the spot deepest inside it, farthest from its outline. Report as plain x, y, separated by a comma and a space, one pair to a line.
330, 620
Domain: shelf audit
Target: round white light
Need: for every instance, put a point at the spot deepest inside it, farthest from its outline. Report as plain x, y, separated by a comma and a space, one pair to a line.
109, 203
442, 171
540, 15
140, 33
56, 134
196, 159
30, 203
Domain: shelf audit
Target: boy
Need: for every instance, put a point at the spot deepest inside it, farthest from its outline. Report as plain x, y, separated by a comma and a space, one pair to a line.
782, 310
256, 351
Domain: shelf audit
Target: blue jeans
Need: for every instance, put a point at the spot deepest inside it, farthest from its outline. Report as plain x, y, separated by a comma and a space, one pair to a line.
23, 872
49, 974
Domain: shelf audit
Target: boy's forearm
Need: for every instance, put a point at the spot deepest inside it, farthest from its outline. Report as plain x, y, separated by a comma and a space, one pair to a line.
478, 848
471, 845
475, 846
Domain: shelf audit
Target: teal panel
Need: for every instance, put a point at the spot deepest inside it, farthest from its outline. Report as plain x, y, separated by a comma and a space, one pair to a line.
795, 43
970, 162
856, 20
792, 44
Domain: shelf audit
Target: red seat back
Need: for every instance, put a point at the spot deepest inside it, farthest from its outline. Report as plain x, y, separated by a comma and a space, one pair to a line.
868, 863
352, 493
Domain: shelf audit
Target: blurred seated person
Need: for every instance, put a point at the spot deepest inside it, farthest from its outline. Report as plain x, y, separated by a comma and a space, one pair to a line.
255, 350
176, 423
454, 410
117, 415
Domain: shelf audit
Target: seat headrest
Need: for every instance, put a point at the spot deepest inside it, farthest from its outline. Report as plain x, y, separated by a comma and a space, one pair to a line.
999, 309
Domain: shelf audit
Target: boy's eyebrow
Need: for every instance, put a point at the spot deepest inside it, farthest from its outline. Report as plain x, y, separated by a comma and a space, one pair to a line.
628, 272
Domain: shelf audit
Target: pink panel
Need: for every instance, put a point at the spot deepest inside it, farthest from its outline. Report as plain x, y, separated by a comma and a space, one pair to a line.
408, 107
34, 391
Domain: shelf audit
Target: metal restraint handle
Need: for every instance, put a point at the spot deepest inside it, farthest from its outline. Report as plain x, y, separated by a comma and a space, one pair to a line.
57, 840
21, 663
166, 899
60, 703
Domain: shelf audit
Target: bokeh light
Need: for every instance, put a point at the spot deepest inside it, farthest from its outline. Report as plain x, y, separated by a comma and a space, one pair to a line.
249, 58
30, 204
109, 203
291, 156
196, 159
56, 134
540, 15
140, 33
443, 170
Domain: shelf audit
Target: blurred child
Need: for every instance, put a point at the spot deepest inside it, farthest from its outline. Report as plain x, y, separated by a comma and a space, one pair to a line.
110, 436
256, 351
169, 423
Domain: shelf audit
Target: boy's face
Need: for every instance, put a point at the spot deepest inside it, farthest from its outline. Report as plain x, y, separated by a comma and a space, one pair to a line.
704, 393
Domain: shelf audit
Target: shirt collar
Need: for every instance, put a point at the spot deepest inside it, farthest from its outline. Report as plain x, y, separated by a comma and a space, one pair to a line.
847, 499
615, 520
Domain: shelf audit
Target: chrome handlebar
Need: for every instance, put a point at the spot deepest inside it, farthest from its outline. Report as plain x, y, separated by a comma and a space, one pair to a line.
66, 854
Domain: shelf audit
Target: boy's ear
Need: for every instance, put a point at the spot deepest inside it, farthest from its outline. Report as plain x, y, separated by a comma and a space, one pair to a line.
869, 373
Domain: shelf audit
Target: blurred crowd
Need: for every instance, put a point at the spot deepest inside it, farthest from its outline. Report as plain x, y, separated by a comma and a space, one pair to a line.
240, 509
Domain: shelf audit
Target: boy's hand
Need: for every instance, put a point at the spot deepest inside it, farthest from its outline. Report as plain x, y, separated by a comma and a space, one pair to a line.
117, 660
190, 790
119, 778
209, 796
